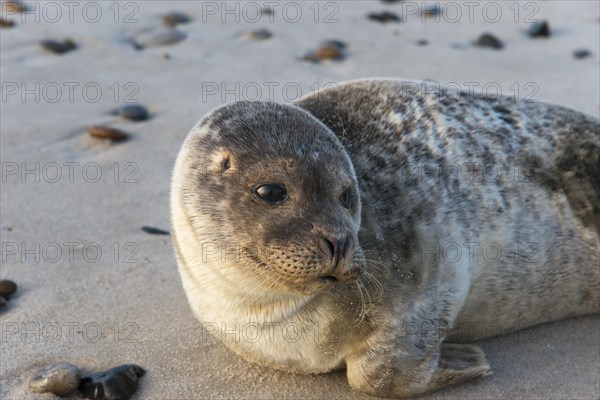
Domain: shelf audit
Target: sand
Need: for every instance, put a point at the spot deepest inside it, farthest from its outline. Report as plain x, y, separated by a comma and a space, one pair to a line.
126, 305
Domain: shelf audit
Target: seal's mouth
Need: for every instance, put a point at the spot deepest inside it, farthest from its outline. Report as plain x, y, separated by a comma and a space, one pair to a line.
327, 279
323, 282
306, 273
343, 274
342, 270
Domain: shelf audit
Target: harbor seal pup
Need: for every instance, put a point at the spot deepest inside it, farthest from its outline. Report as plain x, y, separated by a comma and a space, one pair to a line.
378, 229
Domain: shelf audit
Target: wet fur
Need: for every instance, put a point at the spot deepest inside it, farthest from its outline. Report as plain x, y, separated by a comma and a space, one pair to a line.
397, 331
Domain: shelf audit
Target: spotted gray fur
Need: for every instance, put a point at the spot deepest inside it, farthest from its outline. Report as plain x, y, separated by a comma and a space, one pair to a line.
437, 179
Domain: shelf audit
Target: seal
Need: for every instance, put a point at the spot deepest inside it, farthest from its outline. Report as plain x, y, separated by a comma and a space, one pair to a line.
378, 227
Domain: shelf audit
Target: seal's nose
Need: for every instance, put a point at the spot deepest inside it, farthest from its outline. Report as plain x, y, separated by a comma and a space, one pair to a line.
338, 251
336, 247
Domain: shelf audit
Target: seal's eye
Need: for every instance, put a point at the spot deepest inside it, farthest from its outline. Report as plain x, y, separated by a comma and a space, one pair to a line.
271, 193
346, 198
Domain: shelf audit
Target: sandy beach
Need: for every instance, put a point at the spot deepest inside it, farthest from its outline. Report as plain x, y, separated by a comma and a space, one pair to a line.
97, 291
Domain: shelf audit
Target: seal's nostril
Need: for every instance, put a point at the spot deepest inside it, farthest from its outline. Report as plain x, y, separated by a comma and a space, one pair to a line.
335, 247
330, 245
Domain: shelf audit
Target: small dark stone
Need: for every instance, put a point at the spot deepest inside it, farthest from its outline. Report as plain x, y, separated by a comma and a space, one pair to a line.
7, 288
539, 29
60, 379
6, 23
154, 231
104, 132
581, 53
267, 11
175, 18
135, 44
163, 38
14, 6
422, 42
132, 112
384, 17
116, 383
338, 44
489, 40
259, 34
2, 301
431, 10
58, 47
324, 53
328, 53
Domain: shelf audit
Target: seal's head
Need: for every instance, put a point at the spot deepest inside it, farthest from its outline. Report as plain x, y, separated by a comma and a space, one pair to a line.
271, 198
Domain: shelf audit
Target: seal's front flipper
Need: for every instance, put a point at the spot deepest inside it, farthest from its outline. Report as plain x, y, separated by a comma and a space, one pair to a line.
459, 363
405, 374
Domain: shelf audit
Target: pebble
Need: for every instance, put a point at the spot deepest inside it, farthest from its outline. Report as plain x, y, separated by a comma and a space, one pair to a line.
132, 112
581, 53
2, 301
489, 40
328, 53
60, 379
6, 23
338, 44
104, 132
154, 231
384, 17
431, 10
539, 29
175, 18
164, 38
58, 47
7, 288
116, 383
325, 52
135, 44
259, 34
14, 6
422, 42
267, 11
331, 49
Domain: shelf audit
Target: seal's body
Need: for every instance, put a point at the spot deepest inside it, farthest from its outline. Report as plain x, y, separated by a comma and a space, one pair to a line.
374, 228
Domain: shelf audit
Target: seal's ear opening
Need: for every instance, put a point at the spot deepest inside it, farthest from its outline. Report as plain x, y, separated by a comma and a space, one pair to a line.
226, 163
222, 161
